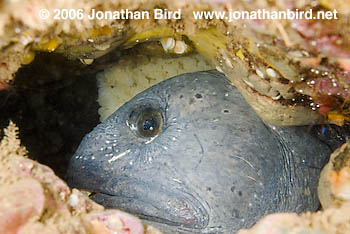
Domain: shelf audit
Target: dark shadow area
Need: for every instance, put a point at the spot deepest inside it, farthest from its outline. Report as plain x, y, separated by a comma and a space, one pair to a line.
54, 105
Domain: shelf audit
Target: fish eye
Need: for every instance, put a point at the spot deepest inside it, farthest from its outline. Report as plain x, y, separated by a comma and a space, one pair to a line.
146, 122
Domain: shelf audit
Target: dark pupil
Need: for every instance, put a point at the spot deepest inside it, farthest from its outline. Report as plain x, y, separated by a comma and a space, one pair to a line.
149, 124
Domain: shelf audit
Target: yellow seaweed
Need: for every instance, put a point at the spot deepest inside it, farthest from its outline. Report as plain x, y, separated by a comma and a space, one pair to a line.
49, 46
325, 3
240, 54
28, 57
103, 31
207, 42
337, 118
157, 32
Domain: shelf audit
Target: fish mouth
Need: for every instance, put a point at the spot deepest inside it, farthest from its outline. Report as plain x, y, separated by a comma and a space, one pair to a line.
155, 203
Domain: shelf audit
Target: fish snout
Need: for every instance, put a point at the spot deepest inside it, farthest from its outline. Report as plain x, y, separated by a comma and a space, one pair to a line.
116, 183
154, 202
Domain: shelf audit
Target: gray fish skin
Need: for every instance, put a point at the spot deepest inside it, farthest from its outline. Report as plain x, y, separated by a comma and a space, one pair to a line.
214, 167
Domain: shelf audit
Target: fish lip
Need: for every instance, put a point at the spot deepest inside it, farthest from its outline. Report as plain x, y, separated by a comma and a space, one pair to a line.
133, 194
173, 207
150, 218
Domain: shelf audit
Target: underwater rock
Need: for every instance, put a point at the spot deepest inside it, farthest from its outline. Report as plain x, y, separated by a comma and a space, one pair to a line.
334, 184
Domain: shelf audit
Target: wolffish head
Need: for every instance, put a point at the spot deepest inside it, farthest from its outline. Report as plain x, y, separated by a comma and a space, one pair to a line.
146, 156
186, 155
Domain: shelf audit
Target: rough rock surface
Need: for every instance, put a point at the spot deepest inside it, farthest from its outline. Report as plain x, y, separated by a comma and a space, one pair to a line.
232, 46
334, 185
52, 208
